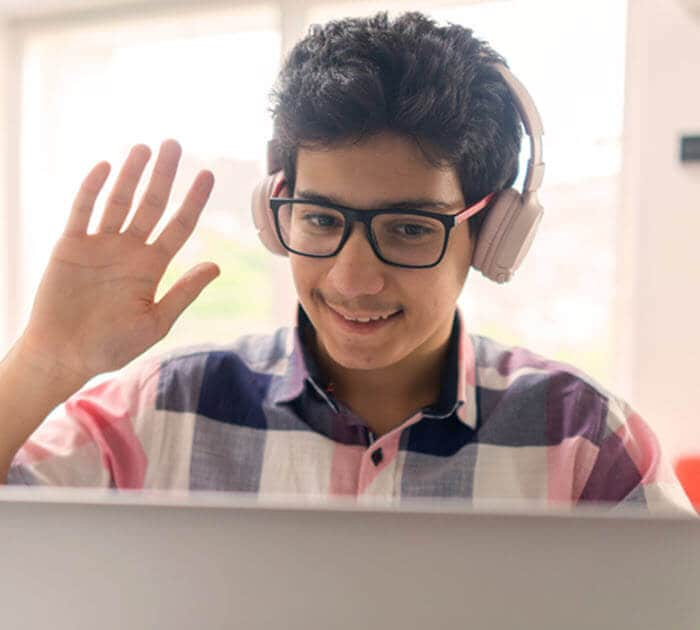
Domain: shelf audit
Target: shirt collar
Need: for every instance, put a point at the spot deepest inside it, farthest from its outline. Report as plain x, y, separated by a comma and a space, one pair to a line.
302, 369
457, 394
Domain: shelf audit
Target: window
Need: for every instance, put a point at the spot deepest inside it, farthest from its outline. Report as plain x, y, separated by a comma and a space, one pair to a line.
91, 91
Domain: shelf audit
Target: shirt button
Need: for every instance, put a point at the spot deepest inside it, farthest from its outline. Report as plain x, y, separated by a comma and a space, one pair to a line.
377, 457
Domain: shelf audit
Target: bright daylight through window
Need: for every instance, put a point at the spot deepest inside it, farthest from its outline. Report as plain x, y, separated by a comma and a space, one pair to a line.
91, 91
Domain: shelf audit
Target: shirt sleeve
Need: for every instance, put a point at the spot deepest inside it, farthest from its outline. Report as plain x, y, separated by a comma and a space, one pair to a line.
93, 438
630, 467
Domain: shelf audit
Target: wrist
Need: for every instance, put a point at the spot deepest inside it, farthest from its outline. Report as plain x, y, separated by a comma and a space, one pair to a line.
27, 362
30, 387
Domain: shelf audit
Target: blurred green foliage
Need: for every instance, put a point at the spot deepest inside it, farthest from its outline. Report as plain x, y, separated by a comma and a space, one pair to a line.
240, 300
242, 290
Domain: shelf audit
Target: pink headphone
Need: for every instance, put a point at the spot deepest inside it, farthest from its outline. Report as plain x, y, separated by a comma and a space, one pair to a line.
509, 227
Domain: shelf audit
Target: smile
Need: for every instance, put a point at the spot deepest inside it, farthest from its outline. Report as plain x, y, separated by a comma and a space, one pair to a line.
364, 320
363, 323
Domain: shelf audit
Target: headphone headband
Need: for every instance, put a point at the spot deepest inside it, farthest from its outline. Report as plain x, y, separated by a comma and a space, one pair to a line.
533, 127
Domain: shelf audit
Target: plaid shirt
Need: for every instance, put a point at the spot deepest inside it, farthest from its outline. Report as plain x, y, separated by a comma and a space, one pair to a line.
254, 417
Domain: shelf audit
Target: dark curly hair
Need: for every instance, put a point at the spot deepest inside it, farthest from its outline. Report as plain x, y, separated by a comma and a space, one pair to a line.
352, 78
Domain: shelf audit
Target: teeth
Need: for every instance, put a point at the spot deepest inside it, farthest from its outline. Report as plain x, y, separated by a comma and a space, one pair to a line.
365, 320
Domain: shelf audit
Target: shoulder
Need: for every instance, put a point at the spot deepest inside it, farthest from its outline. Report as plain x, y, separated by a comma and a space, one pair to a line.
527, 388
178, 375
599, 447
250, 359
261, 352
499, 366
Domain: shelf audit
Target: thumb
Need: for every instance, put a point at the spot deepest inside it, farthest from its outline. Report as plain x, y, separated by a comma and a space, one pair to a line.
185, 291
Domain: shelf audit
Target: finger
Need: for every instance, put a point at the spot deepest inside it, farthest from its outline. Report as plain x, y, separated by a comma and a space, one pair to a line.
122, 195
183, 293
182, 224
156, 196
84, 202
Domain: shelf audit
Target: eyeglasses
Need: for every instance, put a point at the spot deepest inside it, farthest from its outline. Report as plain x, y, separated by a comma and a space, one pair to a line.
403, 238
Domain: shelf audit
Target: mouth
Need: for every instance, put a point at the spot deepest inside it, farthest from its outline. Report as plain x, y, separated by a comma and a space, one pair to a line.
363, 323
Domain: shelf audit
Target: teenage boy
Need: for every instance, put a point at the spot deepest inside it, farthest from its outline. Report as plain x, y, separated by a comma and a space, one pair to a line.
396, 140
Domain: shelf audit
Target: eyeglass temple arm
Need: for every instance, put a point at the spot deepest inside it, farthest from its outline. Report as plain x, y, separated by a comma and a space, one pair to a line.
472, 210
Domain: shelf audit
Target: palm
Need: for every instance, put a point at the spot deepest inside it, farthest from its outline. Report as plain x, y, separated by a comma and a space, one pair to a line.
98, 279
95, 308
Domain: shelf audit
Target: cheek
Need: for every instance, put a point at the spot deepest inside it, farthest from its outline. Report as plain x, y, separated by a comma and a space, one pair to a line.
427, 293
458, 256
304, 274
436, 290
437, 296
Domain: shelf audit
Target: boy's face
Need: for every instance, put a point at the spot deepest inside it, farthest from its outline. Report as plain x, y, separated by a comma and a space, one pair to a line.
380, 172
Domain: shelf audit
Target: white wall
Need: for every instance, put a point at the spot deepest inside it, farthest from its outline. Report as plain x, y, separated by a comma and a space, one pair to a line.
9, 178
663, 254
4, 197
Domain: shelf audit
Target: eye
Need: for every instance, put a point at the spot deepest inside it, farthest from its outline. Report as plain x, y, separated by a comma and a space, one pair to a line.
412, 230
321, 220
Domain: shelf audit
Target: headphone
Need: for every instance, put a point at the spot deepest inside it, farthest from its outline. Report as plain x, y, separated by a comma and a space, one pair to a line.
509, 228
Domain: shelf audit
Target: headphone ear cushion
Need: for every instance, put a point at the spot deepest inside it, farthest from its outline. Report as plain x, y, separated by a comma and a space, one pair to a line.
272, 185
507, 234
491, 235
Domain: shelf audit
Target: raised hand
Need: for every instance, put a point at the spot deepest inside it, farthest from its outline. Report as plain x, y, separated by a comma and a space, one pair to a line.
95, 308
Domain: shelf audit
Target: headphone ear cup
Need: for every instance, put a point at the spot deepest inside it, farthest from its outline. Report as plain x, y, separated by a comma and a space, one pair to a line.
272, 185
506, 234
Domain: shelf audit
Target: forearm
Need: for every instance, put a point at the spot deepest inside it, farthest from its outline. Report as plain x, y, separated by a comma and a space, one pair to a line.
95, 308
30, 387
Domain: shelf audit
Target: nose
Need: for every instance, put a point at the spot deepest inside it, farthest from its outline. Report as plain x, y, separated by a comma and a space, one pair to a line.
356, 270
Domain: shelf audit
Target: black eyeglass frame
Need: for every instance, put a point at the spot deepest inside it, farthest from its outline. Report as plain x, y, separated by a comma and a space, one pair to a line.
365, 216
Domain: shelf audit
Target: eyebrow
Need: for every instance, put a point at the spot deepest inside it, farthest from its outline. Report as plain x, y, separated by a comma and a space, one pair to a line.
402, 204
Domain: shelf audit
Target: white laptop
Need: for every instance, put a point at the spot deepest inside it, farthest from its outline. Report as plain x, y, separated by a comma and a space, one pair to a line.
74, 559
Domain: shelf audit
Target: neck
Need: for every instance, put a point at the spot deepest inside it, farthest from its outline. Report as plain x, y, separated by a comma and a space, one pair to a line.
386, 397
